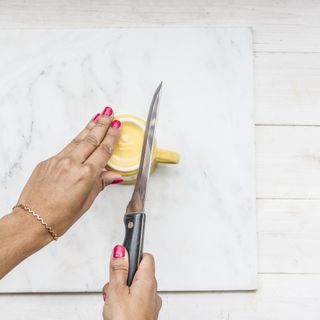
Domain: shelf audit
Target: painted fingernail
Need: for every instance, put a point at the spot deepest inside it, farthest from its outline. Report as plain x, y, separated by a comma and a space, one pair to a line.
96, 117
107, 112
104, 295
116, 124
116, 181
118, 251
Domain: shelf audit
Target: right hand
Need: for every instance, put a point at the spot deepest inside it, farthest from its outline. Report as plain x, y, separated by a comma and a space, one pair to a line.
140, 301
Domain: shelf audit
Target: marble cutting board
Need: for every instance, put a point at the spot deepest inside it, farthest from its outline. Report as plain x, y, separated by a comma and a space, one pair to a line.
201, 224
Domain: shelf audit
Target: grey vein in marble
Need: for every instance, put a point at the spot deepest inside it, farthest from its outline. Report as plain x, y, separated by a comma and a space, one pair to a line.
201, 223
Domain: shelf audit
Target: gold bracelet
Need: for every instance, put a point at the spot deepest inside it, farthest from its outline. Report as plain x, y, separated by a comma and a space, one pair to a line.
49, 229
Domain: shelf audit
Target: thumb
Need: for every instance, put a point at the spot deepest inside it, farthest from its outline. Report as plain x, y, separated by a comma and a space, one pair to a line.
119, 267
109, 177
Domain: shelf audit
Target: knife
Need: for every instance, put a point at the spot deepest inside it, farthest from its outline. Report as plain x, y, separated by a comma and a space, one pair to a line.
135, 217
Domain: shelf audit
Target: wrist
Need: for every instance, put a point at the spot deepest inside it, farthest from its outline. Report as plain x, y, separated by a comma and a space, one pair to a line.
31, 232
20, 238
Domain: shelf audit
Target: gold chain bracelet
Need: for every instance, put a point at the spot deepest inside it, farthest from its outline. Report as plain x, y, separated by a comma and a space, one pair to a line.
49, 229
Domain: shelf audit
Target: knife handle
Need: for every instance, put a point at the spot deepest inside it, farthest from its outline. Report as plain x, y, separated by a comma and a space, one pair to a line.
133, 241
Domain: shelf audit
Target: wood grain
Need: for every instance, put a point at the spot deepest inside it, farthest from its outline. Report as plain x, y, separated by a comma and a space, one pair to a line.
278, 25
287, 88
288, 236
280, 297
288, 162
287, 47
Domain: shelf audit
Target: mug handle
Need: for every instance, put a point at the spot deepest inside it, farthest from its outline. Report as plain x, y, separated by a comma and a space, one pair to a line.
167, 156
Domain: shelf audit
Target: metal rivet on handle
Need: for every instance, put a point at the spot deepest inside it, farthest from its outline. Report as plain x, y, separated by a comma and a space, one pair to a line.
130, 225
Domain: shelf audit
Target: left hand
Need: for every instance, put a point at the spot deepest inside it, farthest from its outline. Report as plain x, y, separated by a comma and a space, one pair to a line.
63, 187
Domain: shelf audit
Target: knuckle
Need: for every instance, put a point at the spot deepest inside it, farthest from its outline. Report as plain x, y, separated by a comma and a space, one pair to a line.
92, 140
88, 169
103, 122
119, 266
107, 148
114, 133
45, 164
66, 162
75, 141
90, 125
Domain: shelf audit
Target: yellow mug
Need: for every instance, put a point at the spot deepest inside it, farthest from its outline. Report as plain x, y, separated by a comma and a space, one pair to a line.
126, 156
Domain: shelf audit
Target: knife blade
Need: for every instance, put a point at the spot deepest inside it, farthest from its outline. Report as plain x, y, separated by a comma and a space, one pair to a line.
135, 216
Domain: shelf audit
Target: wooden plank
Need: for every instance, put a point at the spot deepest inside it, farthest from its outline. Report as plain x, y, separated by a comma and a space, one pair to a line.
278, 25
288, 241
288, 236
288, 162
279, 297
287, 88
287, 158
286, 84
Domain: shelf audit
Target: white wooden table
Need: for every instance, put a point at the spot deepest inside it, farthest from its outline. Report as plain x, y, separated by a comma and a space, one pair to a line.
287, 77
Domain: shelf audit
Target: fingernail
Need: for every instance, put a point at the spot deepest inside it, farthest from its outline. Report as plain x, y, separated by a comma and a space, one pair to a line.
104, 295
96, 117
107, 112
116, 181
118, 251
116, 124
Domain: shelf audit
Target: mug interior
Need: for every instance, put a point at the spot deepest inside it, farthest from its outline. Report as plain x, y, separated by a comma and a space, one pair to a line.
126, 156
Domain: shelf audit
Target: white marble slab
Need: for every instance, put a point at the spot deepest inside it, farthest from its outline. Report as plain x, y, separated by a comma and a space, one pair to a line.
201, 223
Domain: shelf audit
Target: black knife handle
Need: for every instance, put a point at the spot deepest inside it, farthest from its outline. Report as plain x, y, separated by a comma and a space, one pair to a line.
133, 241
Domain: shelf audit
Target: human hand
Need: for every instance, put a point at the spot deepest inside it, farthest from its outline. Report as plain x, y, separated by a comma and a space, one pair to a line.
64, 186
140, 301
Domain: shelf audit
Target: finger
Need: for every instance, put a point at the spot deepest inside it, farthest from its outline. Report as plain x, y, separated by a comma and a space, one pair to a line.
144, 278
94, 137
119, 267
104, 179
103, 153
159, 303
109, 177
75, 141
105, 291
146, 267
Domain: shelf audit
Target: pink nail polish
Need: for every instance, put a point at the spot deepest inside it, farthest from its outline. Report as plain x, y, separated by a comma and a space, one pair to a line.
104, 295
96, 117
116, 181
118, 251
116, 124
107, 112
